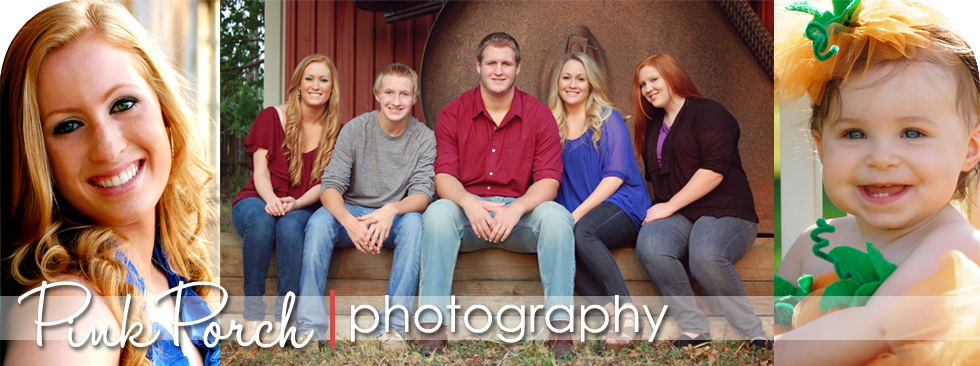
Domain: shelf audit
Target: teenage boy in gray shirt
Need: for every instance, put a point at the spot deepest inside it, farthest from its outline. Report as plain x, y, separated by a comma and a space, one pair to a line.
379, 180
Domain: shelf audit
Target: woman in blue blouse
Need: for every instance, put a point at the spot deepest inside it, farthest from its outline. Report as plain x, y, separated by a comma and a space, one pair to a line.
601, 183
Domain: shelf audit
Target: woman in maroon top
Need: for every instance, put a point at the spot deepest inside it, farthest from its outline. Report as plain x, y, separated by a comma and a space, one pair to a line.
703, 211
290, 146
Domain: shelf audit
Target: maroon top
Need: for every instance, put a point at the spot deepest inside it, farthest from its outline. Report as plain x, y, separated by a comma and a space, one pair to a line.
497, 161
267, 133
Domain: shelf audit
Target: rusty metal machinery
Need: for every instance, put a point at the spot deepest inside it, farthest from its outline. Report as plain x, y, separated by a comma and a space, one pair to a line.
705, 37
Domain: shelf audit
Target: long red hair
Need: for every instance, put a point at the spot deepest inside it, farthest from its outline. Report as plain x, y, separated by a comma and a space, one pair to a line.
678, 82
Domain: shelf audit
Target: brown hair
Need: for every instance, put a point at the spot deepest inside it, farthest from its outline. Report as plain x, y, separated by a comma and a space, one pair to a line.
948, 49
498, 39
294, 141
678, 82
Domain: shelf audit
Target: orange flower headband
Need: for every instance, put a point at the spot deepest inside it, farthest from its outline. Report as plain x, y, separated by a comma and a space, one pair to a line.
814, 46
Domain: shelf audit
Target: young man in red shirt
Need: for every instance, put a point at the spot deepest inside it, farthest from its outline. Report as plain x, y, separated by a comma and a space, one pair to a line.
498, 167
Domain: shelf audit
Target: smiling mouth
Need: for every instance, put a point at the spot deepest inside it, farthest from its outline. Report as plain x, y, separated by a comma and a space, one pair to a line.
119, 179
884, 191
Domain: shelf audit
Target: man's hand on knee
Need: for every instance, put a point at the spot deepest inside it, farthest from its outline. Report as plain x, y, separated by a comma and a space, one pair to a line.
505, 217
479, 217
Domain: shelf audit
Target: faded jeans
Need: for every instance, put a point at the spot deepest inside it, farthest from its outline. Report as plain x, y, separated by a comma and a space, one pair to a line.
711, 246
547, 230
323, 234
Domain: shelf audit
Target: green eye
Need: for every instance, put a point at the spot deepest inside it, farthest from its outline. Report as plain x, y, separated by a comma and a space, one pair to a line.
66, 127
122, 105
912, 134
854, 134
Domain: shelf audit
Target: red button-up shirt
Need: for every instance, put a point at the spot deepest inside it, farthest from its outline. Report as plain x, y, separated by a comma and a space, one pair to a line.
493, 160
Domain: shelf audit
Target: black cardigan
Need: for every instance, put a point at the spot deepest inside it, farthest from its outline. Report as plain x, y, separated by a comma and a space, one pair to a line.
704, 135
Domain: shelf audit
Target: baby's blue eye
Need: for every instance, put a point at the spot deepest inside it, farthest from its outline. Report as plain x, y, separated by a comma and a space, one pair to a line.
66, 127
912, 134
122, 105
854, 134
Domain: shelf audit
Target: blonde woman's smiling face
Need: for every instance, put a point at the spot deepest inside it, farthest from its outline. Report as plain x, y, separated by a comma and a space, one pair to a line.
573, 84
317, 84
893, 154
104, 134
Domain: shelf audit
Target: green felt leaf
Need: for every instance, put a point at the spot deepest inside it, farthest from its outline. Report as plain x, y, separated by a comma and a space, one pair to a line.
853, 260
838, 294
883, 268
785, 288
808, 7
863, 294
806, 284
784, 315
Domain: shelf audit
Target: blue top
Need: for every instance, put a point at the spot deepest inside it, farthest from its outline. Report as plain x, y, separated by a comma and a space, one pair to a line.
163, 352
585, 167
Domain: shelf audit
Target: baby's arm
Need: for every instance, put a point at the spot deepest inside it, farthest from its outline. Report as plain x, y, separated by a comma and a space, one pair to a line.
791, 268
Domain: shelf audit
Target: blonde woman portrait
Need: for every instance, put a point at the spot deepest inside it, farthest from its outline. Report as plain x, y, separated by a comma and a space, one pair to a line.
601, 185
105, 185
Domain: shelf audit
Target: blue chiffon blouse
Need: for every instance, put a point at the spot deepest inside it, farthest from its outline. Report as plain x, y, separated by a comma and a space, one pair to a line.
163, 352
585, 167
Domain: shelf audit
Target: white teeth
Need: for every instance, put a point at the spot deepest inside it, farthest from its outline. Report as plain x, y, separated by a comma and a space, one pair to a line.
880, 195
120, 179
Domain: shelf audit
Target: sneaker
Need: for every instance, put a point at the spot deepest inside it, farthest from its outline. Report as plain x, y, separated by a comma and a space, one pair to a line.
684, 340
761, 343
392, 341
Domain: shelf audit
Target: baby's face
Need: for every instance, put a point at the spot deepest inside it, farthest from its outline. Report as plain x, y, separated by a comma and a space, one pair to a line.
893, 156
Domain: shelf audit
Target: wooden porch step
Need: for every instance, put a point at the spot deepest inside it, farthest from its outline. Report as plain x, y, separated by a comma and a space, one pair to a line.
487, 272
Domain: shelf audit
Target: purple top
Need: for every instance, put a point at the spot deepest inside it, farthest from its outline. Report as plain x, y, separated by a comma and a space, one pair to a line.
664, 130
585, 167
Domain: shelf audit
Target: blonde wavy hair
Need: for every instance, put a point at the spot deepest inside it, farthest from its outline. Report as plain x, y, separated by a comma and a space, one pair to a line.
331, 118
598, 108
44, 238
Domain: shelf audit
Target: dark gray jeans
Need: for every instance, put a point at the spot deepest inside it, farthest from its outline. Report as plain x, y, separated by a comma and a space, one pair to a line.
710, 245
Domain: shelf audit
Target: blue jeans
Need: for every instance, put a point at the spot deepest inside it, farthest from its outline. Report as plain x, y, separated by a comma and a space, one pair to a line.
546, 230
711, 246
261, 233
323, 234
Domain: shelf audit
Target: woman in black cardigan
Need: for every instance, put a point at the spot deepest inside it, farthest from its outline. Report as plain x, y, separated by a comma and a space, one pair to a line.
702, 210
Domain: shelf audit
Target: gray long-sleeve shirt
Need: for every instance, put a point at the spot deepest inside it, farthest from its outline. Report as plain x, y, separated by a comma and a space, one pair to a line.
370, 168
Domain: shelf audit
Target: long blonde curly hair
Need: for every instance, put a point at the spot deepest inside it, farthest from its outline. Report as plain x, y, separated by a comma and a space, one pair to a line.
44, 238
294, 141
598, 108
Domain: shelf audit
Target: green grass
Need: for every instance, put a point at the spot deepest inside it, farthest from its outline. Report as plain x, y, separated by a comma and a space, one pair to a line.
484, 352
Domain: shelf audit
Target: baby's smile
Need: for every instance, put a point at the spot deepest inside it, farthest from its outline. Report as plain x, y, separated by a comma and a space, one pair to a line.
884, 190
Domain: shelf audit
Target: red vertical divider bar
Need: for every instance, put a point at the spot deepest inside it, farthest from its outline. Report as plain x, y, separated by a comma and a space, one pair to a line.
333, 318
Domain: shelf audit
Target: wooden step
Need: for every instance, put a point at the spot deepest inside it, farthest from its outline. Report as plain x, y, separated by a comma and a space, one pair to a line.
485, 272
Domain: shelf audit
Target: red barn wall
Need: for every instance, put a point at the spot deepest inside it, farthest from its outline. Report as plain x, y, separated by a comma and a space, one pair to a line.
359, 42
